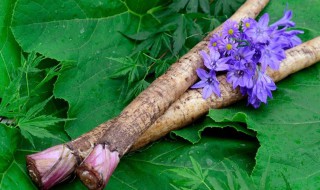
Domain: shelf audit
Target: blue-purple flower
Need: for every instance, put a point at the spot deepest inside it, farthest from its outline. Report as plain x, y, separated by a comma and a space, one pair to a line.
247, 23
230, 29
239, 75
214, 42
244, 51
213, 61
227, 45
208, 82
261, 90
243, 54
285, 21
259, 31
272, 55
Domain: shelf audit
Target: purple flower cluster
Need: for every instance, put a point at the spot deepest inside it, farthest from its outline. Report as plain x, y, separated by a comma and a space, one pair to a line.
244, 51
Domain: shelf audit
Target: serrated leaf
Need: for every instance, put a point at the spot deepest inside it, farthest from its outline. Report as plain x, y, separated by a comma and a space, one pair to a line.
177, 5
180, 34
161, 67
40, 121
34, 110
230, 178
217, 185
197, 168
205, 6
33, 125
192, 6
136, 89
126, 66
225, 7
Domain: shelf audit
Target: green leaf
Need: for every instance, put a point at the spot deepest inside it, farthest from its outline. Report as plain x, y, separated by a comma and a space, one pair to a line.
288, 131
194, 132
29, 132
156, 161
141, 6
226, 7
9, 49
190, 5
180, 34
135, 89
162, 66
12, 174
205, 6
33, 124
9, 139
90, 90
177, 5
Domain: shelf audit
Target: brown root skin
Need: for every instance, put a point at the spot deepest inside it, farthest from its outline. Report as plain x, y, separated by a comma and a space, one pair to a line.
191, 105
84, 144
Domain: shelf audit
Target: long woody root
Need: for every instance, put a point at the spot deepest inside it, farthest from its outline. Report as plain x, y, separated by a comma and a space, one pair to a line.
191, 105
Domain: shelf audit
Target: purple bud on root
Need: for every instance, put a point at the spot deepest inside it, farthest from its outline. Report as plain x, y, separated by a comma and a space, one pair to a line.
97, 168
51, 166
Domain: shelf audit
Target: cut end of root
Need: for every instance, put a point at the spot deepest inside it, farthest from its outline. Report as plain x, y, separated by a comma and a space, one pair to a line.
97, 168
33, 171
90, 178
51, 166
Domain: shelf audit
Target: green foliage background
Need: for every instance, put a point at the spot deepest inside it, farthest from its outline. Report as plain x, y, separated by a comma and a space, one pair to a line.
98, 55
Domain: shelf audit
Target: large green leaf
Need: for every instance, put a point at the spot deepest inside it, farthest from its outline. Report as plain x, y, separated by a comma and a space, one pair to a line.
70, 30
12, 172
149, 169
304, 12
288, 131
9, 49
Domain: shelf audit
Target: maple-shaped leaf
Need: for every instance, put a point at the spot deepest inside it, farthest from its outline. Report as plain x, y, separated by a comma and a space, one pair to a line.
133, 69
34, 124
226, 7
191, 6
